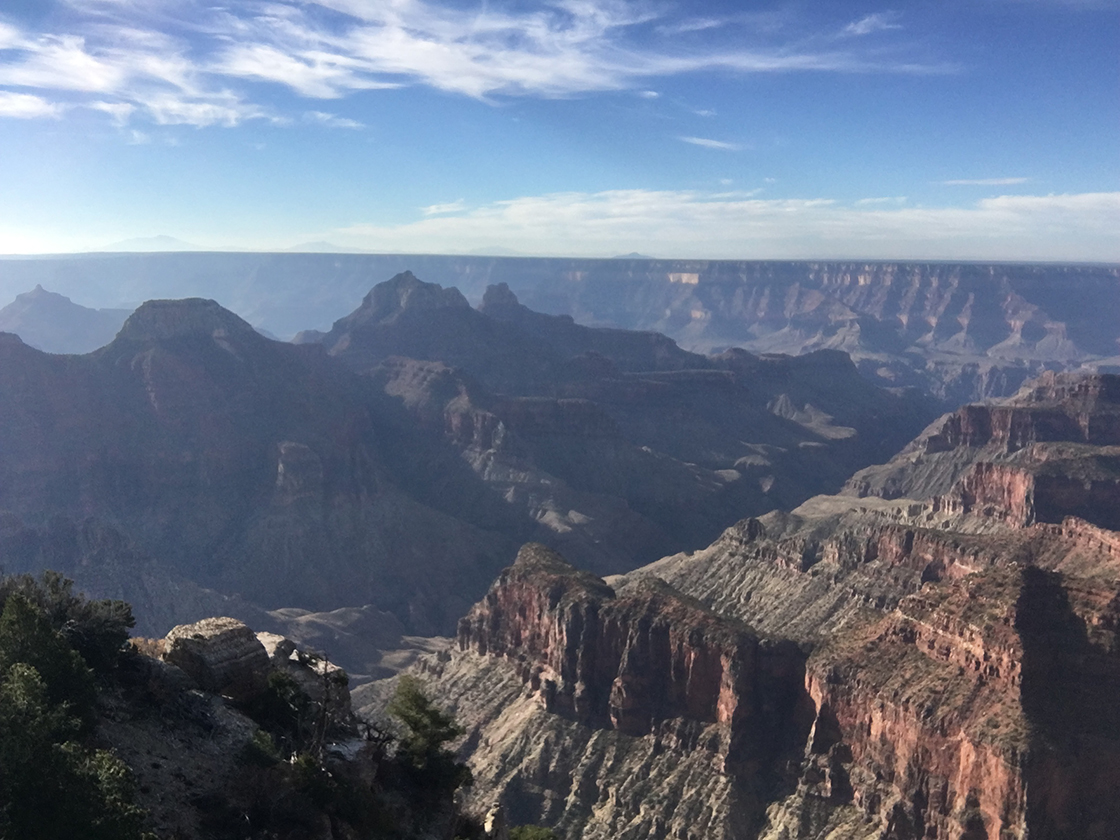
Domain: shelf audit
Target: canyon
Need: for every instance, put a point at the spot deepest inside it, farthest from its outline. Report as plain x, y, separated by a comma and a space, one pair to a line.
393, 466
692, 590
938, 665
960, 331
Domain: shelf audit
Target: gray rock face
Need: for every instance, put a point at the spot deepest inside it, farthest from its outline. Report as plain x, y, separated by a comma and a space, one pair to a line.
319, 678
221, 655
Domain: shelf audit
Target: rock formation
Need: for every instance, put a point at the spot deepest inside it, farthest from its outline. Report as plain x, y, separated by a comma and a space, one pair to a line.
54, 324
966, 331
221, 655
951, 671
283, 477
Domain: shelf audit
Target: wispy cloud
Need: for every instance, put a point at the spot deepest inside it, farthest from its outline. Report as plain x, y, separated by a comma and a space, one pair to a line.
196, 63
865, 202
737, 225
26, 106
440, 209
121, 70
711, 144
331, 120
683, 27
984, 182
878, 22
119, 111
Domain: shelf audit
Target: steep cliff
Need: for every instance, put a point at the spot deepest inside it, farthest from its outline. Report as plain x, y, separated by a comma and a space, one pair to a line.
1060, 425
278, 474
249, 466
593, 709
611, 438
959, 679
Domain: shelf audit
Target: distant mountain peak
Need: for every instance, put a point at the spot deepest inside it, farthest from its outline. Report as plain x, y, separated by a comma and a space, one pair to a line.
498, 297
159, 320
404, 292
53, 323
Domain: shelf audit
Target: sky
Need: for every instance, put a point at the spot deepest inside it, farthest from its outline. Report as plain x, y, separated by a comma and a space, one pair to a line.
922, 129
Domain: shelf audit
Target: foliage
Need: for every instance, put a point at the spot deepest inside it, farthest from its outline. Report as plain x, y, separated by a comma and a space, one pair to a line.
26, 636
532, 832
285, 711
427, 730
52, 788
97, 630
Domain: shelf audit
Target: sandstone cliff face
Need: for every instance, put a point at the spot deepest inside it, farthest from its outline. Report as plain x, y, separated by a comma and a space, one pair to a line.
962, 661
690, 704
635, 660
1044, 422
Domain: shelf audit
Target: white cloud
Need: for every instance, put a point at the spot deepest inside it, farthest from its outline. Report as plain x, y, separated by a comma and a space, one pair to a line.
171, 109
25, 106
144, 70
119, 111
736, 225
878, 22
691, 25
440, 209
864, 202
182, 60
331, 120
711, 144
984, 182
649, 94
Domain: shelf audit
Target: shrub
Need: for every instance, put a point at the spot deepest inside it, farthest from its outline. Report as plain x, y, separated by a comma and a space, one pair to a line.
97, 630
427, 730
26, 636
52, 788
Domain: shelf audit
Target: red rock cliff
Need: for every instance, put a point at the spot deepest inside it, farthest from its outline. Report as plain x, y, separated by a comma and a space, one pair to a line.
634, 661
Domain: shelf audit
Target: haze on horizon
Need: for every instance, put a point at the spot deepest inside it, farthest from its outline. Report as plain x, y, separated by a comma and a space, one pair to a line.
951, 130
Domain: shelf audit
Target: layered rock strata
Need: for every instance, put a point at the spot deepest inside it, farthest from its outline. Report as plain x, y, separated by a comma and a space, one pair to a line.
961, 671
633, 660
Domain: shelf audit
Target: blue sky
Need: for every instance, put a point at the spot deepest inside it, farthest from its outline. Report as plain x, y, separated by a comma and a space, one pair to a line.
986, 129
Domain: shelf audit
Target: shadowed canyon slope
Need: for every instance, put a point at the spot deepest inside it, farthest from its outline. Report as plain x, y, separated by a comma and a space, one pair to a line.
293, 477
857, 668
963, 331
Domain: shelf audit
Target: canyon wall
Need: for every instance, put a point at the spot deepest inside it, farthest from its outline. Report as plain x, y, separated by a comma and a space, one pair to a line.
956, 667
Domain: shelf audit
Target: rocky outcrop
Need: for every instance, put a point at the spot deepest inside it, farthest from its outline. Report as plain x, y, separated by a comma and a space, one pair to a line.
1044, 422
221, 655
315, 675
635, 660
645, 663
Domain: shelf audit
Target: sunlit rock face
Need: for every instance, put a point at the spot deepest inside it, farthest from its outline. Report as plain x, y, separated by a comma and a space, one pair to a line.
955, 674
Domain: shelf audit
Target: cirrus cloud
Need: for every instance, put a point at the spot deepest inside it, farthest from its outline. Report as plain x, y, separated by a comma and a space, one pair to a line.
193, 62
